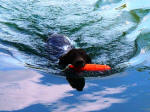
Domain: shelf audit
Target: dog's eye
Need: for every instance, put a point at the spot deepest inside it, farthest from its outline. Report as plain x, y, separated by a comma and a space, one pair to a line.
73, 54
82, 53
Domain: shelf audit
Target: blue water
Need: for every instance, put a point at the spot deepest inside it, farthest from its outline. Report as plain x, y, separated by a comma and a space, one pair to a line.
113, 32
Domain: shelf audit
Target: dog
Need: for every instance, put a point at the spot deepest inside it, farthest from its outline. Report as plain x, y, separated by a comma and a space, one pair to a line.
60, 48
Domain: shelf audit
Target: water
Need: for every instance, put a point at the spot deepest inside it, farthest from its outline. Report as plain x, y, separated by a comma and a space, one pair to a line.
113, 32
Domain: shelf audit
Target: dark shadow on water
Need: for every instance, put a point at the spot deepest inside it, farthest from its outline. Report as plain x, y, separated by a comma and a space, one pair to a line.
76, 81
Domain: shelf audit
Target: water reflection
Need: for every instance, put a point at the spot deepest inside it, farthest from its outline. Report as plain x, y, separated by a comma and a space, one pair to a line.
95, 101
21, 88
76, 82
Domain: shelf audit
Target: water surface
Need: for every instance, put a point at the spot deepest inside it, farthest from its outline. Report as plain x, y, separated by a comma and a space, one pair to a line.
113, 32
107, 30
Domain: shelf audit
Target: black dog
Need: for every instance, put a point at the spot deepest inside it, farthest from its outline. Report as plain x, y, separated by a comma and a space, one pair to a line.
60, 48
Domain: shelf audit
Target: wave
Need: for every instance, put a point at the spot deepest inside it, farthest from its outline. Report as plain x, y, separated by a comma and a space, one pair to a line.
112, 32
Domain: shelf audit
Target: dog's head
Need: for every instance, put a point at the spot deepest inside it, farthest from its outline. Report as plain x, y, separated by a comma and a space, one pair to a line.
76, 57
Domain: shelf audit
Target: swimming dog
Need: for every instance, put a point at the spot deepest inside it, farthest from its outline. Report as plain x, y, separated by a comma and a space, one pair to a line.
60, 48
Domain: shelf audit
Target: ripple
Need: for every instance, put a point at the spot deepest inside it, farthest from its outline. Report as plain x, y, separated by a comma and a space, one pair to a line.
112, 32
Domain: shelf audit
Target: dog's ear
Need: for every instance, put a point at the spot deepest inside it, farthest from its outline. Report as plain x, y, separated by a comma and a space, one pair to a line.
63, 60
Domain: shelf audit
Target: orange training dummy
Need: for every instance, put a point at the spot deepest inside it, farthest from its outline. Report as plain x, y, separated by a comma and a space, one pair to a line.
92, 67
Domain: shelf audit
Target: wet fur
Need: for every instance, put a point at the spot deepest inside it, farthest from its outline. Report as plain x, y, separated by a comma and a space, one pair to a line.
71, 55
